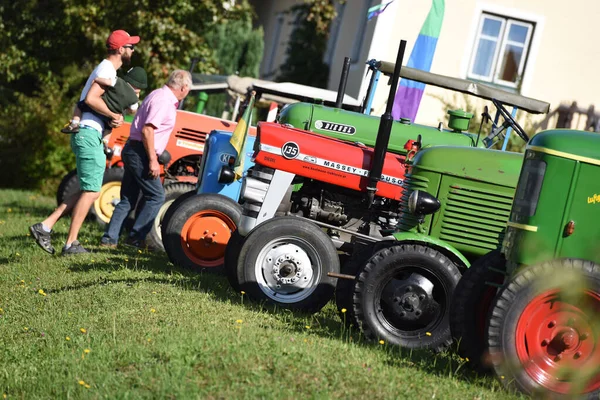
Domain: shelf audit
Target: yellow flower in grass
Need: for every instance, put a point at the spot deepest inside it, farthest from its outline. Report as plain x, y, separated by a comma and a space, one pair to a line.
18, 255
1, 310
41, 291
139, 251
428, 333
381, 342
344, 310
127, 260
152, 310
307, 326
239, 321
25, 328
153, 292
149, 340
242, 292
86, 386
67, 338
87, 351
81, 382
82, 330
4, 395
9, 210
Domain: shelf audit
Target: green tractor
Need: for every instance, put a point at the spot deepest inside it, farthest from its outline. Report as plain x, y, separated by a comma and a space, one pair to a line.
541, 330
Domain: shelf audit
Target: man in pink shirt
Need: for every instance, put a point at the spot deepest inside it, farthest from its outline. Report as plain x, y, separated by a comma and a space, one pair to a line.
148, 137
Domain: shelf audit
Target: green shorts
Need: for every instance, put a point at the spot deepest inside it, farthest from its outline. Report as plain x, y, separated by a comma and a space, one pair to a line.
91, 160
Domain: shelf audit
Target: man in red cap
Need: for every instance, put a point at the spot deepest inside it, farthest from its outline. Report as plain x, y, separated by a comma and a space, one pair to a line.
87, 145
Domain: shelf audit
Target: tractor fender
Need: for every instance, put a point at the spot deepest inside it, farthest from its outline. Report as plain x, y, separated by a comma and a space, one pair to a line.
440, 245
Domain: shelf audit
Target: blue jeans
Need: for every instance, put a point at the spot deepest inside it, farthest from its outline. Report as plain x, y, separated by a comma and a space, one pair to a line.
135, 180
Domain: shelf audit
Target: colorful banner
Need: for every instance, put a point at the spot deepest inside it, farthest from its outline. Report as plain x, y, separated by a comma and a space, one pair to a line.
409, 93
374, 11
238, 138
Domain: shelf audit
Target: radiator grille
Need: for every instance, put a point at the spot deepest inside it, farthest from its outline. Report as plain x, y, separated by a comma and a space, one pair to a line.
192, 135
411, 183
475, 218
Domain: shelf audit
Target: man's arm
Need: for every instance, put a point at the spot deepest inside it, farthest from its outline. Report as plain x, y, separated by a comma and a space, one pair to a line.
94, 100
148, 139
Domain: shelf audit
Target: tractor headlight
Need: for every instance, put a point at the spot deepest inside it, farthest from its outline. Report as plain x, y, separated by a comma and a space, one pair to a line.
422, 203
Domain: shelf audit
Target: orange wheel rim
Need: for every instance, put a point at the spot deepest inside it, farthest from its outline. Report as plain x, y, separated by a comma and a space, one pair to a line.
204, 237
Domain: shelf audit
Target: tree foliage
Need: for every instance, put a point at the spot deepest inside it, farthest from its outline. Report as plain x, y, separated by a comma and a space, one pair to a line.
308, 42
51, 46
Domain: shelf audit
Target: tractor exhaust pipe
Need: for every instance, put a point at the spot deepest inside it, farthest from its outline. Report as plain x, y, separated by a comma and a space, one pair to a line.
385, 129
343, 81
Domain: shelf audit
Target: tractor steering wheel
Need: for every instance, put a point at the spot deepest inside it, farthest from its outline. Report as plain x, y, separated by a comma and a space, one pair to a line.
511, 121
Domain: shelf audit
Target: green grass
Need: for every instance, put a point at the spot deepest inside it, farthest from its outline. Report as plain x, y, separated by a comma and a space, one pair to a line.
155, 331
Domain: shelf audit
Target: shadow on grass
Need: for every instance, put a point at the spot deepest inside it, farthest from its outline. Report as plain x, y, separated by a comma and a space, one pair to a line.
41, 211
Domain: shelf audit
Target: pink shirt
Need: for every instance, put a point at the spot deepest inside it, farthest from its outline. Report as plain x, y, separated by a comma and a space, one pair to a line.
158, 109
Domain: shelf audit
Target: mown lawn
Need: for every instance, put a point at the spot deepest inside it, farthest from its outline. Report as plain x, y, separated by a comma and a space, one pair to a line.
128, 324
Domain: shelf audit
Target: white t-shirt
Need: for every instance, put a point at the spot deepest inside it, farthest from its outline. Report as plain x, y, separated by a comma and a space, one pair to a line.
105, 70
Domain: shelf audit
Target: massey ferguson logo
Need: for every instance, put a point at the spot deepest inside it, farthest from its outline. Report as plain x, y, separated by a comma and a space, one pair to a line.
290, 150
333, 127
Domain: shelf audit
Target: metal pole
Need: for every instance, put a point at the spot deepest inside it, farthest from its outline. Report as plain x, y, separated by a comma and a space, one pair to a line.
343, 81
385, 129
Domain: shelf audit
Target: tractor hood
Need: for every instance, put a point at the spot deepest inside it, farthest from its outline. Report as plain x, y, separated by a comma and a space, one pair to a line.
569, 144
493, 166
355, 127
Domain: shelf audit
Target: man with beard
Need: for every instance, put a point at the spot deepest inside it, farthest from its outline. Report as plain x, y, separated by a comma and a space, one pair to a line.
87, 146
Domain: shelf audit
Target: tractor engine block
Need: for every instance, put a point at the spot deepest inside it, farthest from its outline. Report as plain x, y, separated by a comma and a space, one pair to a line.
326, 210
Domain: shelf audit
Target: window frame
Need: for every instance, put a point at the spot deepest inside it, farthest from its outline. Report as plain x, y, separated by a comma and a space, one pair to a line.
501, 43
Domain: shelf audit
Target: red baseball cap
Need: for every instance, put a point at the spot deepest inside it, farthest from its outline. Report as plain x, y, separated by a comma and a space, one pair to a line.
119, 39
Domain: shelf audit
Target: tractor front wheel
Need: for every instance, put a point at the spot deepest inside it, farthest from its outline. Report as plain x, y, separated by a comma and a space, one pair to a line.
543, 330
469, 309
285, 261
172, 192
110, 195
199, 229
402, 296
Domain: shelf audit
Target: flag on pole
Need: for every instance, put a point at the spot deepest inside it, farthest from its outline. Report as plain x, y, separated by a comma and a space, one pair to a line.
374, 11
238, 138
409, 93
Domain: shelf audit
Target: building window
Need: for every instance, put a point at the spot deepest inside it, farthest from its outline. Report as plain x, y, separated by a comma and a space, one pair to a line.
501, 49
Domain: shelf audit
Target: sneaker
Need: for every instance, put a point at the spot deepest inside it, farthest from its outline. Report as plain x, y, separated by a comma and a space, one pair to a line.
106, 242
76, 248
70, 128
42, 237
137, 243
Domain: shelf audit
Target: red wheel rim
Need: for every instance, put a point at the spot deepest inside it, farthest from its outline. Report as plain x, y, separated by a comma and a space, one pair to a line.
204, 237
556, 342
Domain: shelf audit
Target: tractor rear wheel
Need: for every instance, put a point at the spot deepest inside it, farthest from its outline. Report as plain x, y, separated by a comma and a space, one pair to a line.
69, 185
543, 330
402, 296
285, 261
110, 195
232, 254
172, 192
199, 229
344, 290
470, 306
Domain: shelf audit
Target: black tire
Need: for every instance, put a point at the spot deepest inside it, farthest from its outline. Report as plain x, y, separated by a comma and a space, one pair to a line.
402, 296
470, 306
344, 289
172, 192
69, 185
304, 257
110, 194
542, 333
171, 210
182, 233
232, 253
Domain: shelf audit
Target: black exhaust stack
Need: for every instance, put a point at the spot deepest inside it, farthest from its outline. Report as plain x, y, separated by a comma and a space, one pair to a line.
343, 81
385, 129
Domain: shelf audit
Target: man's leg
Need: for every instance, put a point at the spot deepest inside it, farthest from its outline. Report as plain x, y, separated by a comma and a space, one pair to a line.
129, 194
60, 211
153, 197
91, 163
86, 199
42, 230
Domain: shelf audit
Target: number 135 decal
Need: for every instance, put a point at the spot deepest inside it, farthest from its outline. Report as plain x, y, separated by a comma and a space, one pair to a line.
290, 150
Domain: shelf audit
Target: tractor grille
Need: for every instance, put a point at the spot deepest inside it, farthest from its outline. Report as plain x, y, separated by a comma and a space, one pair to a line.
192, 135
475, 218
411, 183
